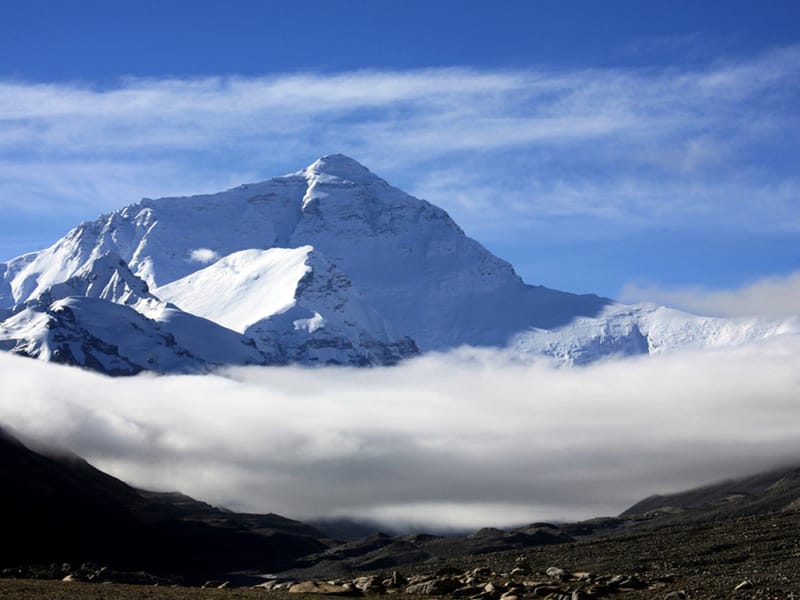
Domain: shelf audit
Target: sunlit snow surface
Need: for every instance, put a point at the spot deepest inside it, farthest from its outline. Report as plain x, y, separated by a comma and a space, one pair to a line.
622, 330
327, 265
242, 288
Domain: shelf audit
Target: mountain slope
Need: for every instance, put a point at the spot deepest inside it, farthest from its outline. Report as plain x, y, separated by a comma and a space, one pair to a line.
57, 507
117, 340
279, 296
771, 491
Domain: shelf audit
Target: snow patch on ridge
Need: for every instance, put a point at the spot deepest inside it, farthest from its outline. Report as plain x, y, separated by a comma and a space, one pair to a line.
242, 288
311, 324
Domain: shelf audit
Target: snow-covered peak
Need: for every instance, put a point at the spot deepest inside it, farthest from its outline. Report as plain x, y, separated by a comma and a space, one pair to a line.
410, 262
341, 167
330, 264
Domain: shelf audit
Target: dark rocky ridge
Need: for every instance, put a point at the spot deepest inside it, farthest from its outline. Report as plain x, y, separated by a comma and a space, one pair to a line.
772, 491
58, 508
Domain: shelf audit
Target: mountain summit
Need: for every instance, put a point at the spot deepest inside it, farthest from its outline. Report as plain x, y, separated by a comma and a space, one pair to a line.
327, 265
342, 167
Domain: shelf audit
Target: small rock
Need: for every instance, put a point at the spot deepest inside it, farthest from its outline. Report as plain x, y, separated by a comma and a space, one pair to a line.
267, 585
435, 586
371, 584
546, 590
745, 585
556, 573
518, 571
597, 590
324, 588
467, 591
616, 581
283, 585
69, 578
212, 583
224, 585
623, 581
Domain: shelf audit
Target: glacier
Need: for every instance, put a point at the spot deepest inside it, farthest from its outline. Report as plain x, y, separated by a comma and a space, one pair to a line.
328, 265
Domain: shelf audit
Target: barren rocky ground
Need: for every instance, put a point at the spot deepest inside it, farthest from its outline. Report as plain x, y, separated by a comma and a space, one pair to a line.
759, 555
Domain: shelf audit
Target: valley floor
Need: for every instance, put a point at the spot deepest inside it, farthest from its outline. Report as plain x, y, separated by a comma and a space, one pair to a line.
689, 561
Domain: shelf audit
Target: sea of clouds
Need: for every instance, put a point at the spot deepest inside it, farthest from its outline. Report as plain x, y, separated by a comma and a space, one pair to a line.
459, 440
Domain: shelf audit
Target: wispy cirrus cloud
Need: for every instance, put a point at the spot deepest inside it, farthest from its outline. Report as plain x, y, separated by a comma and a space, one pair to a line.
512, 154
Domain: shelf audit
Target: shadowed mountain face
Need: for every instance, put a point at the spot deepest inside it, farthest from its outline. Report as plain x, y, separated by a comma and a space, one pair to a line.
58, 508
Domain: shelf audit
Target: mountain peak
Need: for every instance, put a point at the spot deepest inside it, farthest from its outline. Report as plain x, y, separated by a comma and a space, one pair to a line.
342, 167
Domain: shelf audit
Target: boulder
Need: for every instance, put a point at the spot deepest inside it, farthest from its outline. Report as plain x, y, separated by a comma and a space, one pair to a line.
434, 587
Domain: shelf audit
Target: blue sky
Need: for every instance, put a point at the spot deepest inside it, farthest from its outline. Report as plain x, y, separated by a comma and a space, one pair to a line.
622, 148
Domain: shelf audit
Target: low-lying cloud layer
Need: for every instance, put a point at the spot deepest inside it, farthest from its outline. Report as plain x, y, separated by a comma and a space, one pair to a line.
465, 439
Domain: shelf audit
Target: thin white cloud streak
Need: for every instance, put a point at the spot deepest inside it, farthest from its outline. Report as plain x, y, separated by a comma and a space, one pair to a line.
465, 439
778, 295
498, 205
471, 109
34, 186
625, 145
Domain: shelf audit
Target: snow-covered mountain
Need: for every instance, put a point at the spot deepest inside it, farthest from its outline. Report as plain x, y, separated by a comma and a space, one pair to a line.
622, 330
327, 265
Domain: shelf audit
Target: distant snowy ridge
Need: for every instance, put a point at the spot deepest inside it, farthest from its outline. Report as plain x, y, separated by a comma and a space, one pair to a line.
629, 330
328, 265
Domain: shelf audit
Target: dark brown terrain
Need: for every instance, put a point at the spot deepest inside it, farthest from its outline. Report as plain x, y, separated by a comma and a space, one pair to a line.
692, 561
59, 509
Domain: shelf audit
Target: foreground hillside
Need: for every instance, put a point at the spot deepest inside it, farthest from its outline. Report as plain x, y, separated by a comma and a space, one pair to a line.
63, 519
57, 508
760, 555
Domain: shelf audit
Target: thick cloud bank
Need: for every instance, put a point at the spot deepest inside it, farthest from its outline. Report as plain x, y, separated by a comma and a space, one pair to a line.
464, 440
